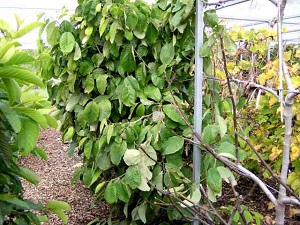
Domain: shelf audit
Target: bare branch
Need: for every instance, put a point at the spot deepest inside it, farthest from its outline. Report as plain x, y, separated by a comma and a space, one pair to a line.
290, 201
228, 78
253, 84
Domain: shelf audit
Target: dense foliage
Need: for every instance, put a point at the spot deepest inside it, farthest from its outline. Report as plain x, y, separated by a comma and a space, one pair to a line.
121, 78
23, 109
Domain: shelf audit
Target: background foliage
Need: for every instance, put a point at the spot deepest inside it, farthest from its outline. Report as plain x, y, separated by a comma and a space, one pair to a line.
121, 77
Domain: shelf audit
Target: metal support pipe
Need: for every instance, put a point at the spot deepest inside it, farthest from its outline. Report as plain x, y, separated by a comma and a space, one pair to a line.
198, 94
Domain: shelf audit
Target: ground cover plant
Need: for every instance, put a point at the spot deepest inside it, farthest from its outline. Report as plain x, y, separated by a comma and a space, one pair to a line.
121, 76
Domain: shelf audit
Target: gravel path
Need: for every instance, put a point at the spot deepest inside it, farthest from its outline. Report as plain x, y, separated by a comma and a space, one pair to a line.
56, 174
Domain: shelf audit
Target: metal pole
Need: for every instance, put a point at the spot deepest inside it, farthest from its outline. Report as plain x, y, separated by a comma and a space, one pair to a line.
198, 93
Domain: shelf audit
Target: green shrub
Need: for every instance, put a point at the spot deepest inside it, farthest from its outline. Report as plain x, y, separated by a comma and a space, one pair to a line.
24, 109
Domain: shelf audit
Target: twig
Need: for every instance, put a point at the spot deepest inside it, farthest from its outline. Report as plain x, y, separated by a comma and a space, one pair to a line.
253, 84
146, 153
239, 199
212, 206
228, 78
179, 200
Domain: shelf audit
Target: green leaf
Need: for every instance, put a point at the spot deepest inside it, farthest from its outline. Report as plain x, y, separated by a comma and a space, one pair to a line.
123, 191
227, 175
29, 175
14, 200
52, 122
89, 84
113, 31
214, 179
21, 74
142, 24
209, 134
241, 103
12, 117
88, 149
172, 145
77, 53
26, 29
172, 113
110, 132
67, 42
230, 45
151, 34
41, 153
52, 32
194, 198
28, 136
227, 150
133, 177
222, 125
87, 176
99, 187
177, 18
127, 60
91, 112
167, 53
103, 162
110, 193
7, 48
211, 18
162, 4
103, 24
131, 20
33, 114
128, 96
205, 50
72, 101
101, 83
61, 215
55, 204
20, 57
71, 149
142, 212
105, 109
132, 157
117, 152
153, 93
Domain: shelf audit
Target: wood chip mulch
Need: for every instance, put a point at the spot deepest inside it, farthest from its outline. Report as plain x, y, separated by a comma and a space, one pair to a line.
55, 184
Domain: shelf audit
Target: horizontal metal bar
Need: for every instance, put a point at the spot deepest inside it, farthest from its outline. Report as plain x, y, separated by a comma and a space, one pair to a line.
244, 19
292, 31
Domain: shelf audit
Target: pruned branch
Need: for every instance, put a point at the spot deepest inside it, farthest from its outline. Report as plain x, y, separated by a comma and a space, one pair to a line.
228, 78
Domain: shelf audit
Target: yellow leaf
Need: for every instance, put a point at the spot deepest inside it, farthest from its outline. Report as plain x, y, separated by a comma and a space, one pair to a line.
270, 74
295, 68
287, 55
297, 54
262, 78
276, 63
230, 65
272, 100
275, 153
295, 153
270, 205
284, 30
220, 74
296, 81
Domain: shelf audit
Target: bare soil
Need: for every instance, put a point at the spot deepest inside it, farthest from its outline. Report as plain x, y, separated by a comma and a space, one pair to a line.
56, 175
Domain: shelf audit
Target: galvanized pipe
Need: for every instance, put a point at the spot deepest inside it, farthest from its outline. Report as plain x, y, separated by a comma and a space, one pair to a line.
198, 94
